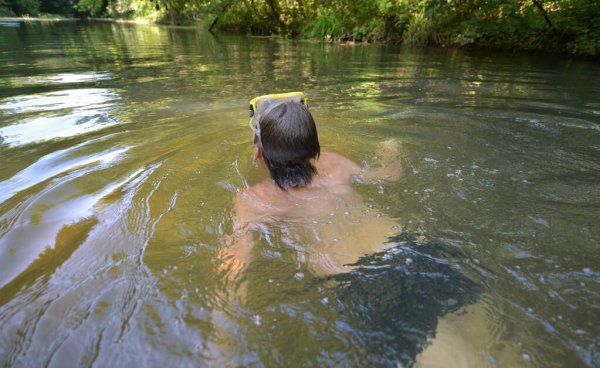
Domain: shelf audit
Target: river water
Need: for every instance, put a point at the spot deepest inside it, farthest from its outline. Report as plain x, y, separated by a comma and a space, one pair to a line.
122, 148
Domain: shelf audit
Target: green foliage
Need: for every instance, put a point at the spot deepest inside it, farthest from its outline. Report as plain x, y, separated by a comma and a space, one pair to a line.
24, 7
372, 30
92, 8
324, 25
5, 10
63, 7
418, 30
558, 25
578, 22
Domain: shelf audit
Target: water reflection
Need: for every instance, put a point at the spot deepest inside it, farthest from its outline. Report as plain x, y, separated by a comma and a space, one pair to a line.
52, 165
65, 78
73, 112
61, 204
65, 99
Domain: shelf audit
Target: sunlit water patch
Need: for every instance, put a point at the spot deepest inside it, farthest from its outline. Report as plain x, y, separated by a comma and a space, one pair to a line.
67, 113
54, 79
67, 78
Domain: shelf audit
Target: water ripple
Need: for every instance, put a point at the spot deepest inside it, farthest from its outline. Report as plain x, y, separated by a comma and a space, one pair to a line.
71, 112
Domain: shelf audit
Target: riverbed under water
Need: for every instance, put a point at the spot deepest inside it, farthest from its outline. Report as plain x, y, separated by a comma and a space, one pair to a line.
122, 147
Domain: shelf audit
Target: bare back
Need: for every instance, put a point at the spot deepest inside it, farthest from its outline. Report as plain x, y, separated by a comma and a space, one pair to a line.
334, 178
334, 223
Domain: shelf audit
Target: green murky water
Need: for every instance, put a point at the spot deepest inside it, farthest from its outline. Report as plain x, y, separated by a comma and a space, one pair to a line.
122, 147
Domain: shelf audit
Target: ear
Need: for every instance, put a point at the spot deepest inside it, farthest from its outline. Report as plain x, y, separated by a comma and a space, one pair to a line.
257, 153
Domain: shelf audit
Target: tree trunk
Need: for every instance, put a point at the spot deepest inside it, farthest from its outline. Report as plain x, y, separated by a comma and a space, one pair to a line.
545, 15
275, 13
223, 10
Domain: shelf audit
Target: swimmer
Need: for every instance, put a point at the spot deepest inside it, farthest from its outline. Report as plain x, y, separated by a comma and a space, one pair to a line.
309, 191
310, 194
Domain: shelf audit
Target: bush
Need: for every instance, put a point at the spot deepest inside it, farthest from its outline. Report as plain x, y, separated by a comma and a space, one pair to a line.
419, 30
5, 10
325, 24
374, 30
93, 8
24, 7
555, 25
63, 7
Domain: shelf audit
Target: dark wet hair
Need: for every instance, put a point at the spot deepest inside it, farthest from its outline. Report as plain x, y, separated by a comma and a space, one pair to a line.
288, 135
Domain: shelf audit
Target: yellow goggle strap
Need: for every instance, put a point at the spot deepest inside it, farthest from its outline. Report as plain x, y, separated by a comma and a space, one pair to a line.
262, 104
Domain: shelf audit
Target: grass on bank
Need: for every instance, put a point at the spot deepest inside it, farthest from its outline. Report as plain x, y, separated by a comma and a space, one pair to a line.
568, 26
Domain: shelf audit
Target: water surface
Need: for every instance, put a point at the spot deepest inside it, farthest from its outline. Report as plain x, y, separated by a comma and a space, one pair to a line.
122, 147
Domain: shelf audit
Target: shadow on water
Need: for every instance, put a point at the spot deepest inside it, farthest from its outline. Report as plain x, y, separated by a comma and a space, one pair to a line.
396, 297
388, 310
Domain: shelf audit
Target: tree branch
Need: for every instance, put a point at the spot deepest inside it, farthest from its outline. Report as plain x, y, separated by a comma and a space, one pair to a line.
545, 15
223, 10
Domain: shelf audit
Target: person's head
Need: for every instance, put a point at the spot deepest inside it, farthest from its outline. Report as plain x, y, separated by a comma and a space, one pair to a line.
288, 142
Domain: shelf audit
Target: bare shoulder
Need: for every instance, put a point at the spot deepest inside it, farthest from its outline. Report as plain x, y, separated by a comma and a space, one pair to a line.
336, 167
260, 202
332, 157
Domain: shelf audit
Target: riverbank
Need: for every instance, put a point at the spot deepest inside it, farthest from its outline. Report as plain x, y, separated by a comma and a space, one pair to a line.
563, 26
325, 30
59, 18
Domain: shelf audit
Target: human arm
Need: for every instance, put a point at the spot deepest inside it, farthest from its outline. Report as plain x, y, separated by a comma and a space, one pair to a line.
235, 254
389, 166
